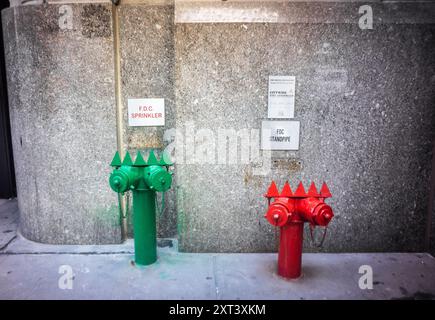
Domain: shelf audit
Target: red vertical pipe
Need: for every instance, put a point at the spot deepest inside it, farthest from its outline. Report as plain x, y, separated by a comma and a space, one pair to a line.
290, 250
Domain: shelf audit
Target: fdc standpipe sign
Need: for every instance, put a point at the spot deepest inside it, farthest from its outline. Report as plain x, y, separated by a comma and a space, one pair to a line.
280, 135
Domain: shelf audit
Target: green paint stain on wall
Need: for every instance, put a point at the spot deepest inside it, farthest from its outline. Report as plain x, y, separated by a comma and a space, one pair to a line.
108, 216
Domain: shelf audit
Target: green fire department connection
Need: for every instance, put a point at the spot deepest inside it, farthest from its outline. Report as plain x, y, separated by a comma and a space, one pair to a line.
144, 179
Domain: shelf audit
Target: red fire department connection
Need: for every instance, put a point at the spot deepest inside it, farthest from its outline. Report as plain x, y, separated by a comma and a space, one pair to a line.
290, 211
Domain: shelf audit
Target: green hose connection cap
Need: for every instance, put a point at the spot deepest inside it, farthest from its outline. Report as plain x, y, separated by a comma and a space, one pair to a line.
119, 181
158, 178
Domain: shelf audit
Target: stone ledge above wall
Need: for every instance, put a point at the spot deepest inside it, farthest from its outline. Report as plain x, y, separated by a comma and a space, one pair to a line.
15, 3
276, 11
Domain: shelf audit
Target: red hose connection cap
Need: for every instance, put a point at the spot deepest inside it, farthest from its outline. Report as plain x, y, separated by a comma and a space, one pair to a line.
277, 215
323, 214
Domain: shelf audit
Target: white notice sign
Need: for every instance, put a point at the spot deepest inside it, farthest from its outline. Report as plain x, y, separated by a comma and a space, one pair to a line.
281, 98
146, 112
280, 135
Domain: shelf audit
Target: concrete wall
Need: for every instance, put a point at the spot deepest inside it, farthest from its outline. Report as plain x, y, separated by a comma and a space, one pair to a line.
67, 79
368, 133
364, 99
63, 120
147, 68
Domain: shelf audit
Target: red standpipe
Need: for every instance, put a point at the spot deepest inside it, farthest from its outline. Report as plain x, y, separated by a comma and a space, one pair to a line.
290, 211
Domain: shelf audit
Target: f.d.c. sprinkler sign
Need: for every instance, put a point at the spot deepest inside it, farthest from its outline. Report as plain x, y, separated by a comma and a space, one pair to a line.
146, 112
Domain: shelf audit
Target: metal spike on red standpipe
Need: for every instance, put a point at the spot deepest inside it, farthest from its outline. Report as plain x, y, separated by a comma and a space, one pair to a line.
312, 191
286, 191
300, 191
324, 191
272, 192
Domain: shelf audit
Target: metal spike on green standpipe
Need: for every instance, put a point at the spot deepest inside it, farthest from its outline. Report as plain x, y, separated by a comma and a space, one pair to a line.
165, 159
139, 162
144, 179
116, 161
152, 160
127, 160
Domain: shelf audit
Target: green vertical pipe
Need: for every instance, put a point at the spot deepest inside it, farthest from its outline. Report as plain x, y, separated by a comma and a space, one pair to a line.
144, 226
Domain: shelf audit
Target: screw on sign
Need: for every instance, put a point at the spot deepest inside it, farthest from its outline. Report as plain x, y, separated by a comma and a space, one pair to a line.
289, 211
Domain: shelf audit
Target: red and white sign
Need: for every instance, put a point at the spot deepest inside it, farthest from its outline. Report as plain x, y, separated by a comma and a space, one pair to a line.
146, 112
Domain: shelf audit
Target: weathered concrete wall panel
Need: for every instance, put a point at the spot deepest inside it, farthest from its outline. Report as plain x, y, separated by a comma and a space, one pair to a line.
365, 102
364, 99
63, 118
147, 69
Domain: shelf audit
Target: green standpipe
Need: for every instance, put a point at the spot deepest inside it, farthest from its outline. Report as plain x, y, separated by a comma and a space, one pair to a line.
144, 226
144, 179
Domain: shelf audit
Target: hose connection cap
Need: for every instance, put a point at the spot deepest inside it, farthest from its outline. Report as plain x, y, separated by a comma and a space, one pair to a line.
119, 181
158, 178
277, 215
323, 214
